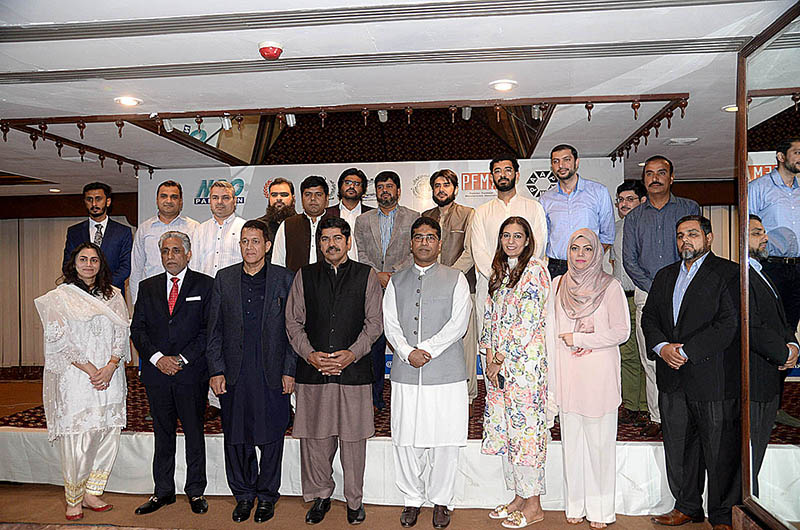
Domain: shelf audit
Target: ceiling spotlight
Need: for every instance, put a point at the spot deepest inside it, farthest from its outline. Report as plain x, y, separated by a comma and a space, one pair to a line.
641, 164
503, 85
226, 122
729, 108
536, 113
466, 113
128, 101
291, 120
167, 123
383, 116
55, 190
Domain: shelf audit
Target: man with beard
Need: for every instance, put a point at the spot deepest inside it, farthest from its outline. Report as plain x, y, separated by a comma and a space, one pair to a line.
485, 227
113, 238
573, 203
648, 245
773, 347
295, 244
352, 187
383, 236
775, 198
691, 325
280, 205
454, 221
333, 316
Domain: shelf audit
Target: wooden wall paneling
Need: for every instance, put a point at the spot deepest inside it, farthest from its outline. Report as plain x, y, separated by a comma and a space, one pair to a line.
9, 286
724, 225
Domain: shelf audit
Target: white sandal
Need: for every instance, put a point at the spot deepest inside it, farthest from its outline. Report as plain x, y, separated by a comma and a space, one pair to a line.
501, 512
517, 520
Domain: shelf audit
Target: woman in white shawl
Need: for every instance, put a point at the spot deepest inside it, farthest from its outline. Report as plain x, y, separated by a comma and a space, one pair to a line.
86, 330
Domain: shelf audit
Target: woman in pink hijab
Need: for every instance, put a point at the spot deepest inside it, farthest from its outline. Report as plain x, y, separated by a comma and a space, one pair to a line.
587, 321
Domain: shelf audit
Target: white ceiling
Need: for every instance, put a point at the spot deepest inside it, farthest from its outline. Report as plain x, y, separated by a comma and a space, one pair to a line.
364, 52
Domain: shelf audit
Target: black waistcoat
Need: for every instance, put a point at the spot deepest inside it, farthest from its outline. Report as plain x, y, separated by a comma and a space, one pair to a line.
335, 318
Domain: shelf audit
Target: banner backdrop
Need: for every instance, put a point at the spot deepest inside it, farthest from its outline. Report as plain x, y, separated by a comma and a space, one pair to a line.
251, 182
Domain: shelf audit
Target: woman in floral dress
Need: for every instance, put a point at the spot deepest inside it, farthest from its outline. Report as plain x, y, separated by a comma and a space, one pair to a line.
515, 420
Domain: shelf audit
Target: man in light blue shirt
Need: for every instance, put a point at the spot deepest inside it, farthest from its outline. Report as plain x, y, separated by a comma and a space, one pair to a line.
572, 204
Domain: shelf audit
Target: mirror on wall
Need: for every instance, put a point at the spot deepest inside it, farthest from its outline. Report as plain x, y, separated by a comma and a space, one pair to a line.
773, 116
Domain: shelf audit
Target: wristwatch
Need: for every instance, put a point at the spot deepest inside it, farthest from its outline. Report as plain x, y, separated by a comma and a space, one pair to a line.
180, 362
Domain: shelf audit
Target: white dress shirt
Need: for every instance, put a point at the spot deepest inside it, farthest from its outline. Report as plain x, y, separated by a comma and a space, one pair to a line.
93, 227
279, 247
145, 256
350, 217
157, 355
216, 246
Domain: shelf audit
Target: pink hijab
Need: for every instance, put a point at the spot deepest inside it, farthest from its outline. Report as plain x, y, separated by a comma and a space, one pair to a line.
580, 292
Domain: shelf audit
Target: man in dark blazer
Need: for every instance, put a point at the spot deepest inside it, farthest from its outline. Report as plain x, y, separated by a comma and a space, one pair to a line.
352, 186
773, 348
113, 238
169, 331
691, 327
252, 370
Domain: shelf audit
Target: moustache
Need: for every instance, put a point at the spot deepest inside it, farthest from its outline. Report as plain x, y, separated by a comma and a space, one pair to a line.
333, 249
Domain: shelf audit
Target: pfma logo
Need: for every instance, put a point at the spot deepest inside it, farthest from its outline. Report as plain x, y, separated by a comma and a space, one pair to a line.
203, 192
477, 181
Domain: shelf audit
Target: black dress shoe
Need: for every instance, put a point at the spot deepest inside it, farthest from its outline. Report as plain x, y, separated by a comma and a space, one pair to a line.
408, 517
154, 503
441, 516
242, 511
356, 516
264, 511
198, 504
317, 512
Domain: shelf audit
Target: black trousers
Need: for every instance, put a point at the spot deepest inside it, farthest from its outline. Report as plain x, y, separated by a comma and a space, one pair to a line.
702, 437
378, 353
762, 419
247, 478
787, 280
169, 403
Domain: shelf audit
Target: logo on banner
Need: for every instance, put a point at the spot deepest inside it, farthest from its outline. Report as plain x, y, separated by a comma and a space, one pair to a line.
370, 196
203, 192
539, 182
477, 185
759, 170
421, 186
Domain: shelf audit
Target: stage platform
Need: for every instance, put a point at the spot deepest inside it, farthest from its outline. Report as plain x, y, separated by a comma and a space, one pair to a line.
27, 457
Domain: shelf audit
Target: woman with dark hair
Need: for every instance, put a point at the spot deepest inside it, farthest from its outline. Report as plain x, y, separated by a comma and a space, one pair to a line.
515, 420
86, 329
587, 320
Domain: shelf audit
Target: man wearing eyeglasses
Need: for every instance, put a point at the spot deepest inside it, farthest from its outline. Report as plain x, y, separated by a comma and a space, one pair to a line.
352, 187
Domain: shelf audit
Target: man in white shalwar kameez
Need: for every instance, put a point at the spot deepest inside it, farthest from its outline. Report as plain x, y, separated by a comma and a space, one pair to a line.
426, 312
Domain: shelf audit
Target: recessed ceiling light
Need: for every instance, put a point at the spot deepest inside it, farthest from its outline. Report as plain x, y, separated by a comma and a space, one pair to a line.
128, 101
55, 190
641, 164
680, 141
503, 85
730, 108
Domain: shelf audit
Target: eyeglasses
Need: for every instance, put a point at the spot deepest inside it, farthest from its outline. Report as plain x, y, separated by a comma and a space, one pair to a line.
506, 170
430, 238
354, 183
631, 200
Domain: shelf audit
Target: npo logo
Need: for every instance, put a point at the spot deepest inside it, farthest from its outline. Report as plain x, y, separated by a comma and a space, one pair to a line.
539, 182
421, 186
477, 181
759, 170
201, 197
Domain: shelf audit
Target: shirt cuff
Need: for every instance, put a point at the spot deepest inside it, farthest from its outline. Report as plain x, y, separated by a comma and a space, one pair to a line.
403, 352
155, 357
183, 358
683, 353
657, 347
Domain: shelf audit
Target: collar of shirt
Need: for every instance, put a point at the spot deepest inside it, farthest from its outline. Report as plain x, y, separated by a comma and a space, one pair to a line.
180, 277
313, 222
778, 180
507, 205
225, 222
93, 225
755, 263
176, 221
391, 213
696, 265
423, 270
578, 187
647, 204
345, 212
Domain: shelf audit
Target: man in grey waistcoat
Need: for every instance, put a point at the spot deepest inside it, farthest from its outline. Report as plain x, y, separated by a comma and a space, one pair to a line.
426, 310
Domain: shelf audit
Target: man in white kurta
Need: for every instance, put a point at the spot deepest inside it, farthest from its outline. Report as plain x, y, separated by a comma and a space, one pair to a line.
426, 312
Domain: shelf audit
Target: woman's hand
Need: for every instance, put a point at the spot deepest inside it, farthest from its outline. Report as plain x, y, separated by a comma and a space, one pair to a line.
102, 377
568, 339
492, 370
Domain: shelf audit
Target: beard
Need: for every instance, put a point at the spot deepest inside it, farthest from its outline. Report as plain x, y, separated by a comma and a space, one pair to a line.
387, 201
759, 253
277, 214
512, 183
444, 202
692, 253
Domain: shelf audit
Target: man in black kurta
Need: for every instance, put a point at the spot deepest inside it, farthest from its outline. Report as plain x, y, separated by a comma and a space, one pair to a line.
253, 373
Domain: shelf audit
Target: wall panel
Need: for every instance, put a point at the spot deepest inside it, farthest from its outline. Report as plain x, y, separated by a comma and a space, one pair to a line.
9, 286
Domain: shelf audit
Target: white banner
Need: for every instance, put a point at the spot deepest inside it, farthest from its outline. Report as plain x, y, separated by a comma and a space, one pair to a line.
760, 163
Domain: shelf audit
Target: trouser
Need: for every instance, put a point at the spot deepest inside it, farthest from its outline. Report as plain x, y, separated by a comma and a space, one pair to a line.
409, 466
762, 419
471, 353
525, 481
316, 468
378, 353
700, 437
633, 377
590, 465
168, 403
649, 367
248, 478
86, 461
786, 278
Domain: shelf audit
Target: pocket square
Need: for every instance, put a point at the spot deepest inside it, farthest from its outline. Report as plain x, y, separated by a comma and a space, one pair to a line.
193, 298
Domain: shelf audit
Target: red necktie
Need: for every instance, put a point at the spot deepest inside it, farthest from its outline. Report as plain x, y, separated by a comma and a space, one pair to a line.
173, 295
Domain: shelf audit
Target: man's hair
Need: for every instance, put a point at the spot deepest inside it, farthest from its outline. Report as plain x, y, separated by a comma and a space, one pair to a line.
564, 147
314, 181
258, 225
225, 185
659, 157
427, 221
754, 217
187, 243
705, 224
352, 171
505, 156
170, 184
281, 180
636, 186
785, 145
333, 222
446, 173
98, 186
383, 176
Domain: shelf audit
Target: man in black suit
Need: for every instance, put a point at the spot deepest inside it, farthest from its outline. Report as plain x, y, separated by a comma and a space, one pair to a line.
169, 331
252, 372
691, 327
113, 238
773, 348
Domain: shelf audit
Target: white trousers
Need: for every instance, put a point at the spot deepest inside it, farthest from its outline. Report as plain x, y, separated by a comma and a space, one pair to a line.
525, 481
590, 465
410, 463
639, 299
86, 461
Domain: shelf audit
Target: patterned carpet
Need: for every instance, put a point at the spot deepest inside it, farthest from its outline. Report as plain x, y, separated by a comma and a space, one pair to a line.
138, 408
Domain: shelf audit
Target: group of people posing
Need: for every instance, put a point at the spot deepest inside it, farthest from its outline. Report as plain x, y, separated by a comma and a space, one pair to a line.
304, 305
